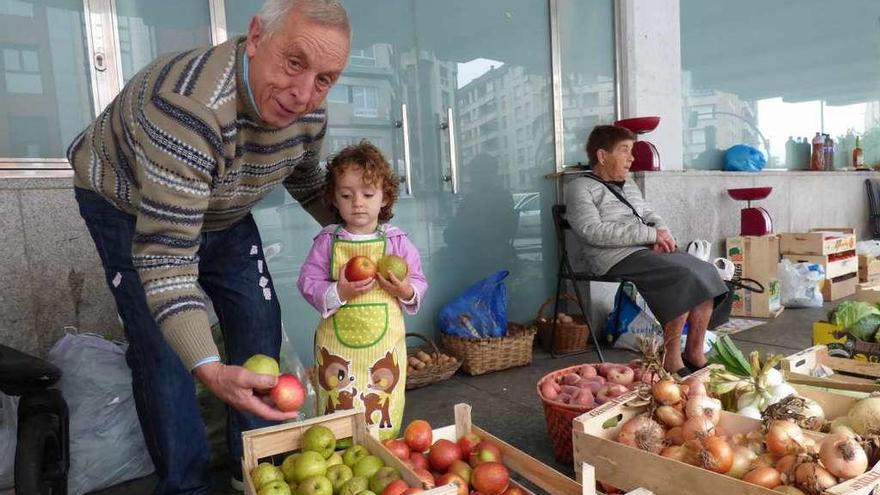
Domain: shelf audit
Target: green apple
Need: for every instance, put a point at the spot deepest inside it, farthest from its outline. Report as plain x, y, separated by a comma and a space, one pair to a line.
292, 485
354, 486
276, 487
353, 454
367, 492
392, 264
368, 466
334, 459
338, 474
314, 485
309, 464
319, 439
383, 477
287, 466
265, 473
262, 364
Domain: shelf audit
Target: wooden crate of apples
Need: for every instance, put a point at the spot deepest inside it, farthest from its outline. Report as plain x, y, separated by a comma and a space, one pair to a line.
313, 466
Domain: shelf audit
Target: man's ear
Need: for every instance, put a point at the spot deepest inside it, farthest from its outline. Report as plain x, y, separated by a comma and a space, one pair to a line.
601, 155
254, 35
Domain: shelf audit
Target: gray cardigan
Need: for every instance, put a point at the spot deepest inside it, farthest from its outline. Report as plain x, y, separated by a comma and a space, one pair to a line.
606, 227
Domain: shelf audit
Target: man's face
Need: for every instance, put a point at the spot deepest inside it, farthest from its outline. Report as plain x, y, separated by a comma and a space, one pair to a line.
292, 70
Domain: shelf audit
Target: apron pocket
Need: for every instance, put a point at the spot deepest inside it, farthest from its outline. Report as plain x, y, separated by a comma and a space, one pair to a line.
361, 325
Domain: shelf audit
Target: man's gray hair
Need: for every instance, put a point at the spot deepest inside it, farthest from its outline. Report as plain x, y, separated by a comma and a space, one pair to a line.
273, 13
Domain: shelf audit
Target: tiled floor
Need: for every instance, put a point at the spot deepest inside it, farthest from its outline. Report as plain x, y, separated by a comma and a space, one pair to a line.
506, 404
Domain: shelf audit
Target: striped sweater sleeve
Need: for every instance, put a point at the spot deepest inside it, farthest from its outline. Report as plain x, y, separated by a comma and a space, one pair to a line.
178, 146
306, 183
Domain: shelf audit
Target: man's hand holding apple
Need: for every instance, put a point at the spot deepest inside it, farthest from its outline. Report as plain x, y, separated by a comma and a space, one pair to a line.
348, 290
235, 386
400, 289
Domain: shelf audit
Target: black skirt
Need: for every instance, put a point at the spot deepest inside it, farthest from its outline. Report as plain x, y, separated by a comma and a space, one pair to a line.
671, 283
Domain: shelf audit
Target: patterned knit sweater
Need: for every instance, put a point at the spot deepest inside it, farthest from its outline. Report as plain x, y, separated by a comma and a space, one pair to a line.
183, 149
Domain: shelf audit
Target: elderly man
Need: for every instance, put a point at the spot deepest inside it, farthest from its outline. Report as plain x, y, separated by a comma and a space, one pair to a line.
166, 178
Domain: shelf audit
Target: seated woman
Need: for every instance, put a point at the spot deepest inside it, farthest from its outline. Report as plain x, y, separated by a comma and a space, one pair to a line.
622, 237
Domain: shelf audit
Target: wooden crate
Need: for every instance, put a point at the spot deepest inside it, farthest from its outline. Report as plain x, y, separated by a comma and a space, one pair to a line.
623, 466
272, 440
840, 287
868, 293
849, 374
818, 241
869, 269
832, 264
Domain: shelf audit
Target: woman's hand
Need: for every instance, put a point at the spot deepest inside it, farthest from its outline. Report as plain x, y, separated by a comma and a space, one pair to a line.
665, 242
349, 290
235, 386
400, 289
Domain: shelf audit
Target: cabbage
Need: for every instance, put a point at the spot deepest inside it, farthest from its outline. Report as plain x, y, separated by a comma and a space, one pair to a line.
849, 313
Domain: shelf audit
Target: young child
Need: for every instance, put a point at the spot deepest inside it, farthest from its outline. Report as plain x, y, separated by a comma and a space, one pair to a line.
360, 348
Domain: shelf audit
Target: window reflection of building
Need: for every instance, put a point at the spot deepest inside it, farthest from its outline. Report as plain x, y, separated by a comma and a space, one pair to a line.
21, 70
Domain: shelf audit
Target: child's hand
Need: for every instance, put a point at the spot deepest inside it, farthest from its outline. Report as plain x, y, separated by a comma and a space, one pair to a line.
349, 290
400, 289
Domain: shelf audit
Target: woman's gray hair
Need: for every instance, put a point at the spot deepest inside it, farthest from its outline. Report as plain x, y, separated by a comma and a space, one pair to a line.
326, 12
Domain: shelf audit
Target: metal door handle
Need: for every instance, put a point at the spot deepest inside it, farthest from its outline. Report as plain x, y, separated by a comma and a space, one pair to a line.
403, 123
449, 126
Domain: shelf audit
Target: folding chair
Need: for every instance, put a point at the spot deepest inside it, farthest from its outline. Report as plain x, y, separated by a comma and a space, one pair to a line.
566, 272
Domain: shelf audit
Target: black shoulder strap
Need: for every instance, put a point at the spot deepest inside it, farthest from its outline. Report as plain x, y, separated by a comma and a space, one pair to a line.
619, 194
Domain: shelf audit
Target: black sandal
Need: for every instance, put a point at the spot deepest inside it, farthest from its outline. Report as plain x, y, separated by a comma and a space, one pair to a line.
691, 366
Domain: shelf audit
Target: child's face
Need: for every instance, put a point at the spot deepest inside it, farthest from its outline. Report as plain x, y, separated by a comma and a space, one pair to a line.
358, 203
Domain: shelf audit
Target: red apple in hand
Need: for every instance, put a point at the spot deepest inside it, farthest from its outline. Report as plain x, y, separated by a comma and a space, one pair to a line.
397, 447
289, 393
443, 453
360, 268
467, 443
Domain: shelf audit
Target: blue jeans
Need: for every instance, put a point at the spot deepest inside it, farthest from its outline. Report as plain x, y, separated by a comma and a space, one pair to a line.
164, 390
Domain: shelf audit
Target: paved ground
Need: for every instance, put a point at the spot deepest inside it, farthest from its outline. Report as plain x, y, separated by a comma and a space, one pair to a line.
506, 404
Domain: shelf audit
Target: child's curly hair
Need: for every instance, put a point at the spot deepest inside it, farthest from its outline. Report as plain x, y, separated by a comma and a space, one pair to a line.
377, 172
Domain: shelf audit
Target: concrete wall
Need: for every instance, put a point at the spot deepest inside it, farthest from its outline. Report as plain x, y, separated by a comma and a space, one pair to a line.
50, 274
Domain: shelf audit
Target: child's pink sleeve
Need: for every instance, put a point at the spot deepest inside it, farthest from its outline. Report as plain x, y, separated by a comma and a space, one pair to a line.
314, 275
404, 248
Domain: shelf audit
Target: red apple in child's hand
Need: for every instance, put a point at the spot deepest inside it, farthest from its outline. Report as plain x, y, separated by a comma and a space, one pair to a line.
289, 393
360, 268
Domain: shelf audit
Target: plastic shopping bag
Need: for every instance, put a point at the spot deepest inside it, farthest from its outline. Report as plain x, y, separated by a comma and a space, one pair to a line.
8, 434
290, 363
744, 158
800, 284
106, 443
480, 311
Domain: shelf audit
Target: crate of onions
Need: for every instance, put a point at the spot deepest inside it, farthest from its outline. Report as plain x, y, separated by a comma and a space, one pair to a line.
673, 439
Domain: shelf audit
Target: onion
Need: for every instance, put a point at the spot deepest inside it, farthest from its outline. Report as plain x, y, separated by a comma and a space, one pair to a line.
695, 386
813, 478
642, 433
750, 399
666, 392
670, 416
697, 428
843, 457
765, 459
674, 436
750, 412
784, 437
763, 476
773, 378
812, 409
742, 461
864, 416
841, 425
784, 464
780, 392
679, 453
715, 455
704, 406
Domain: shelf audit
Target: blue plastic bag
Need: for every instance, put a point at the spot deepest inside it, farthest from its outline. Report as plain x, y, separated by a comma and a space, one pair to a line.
744, 158
479, 312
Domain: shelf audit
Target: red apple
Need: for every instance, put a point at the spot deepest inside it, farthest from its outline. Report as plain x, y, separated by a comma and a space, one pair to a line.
396, 487
360, 268
459, 483
468, 442
460, 469
418, 435
418, 460
511, 490
490, 478
485, 452
443, 453
426, 477
397, 447
288, 393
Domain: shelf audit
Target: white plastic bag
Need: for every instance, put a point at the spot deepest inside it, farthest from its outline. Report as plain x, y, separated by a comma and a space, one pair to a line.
106, 443
800, 284
290, 363
8, 434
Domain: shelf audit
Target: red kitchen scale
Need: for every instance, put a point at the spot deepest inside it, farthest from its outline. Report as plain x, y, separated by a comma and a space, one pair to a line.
645, 153
753, 220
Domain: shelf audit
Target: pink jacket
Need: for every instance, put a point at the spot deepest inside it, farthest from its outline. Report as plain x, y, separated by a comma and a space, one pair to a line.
314, 275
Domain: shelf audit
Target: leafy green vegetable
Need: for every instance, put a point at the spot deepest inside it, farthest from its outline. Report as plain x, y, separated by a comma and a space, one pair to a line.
848, 313
728, 354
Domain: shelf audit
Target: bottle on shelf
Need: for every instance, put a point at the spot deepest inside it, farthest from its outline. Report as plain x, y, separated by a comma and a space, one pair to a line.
858, 158
828, 153
817, 157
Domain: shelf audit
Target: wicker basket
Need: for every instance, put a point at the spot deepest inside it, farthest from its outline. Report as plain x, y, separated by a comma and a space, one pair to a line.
559, 417
432, 373
569, 337
479, 356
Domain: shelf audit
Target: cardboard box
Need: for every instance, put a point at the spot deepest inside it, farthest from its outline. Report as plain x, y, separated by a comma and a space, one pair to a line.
856, 374
869, 269
819, 241
834, 265
755, 257
764, 305
840, 287
868, 293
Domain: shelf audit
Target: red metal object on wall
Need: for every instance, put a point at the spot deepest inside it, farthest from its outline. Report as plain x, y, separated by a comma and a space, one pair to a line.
753, 220
646, 157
